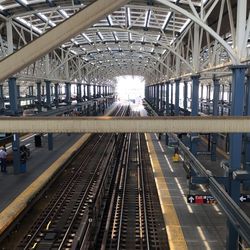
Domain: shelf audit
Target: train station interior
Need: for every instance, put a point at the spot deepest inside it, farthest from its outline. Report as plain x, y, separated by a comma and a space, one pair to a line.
125, 124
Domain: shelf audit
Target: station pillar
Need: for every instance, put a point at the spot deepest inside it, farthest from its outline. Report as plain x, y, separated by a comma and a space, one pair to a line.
15, 137
177, 96
88, 91
194, 111
185, 88
222, 99
1, 97
215, 113
246, 160
167, 97
238, 77
48, 93
68, 92
157, 97
56, 94
94, 91
171, 98
208, 97
79, 92
39, 96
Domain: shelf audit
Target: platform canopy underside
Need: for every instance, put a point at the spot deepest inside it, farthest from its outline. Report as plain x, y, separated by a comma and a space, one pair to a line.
157, 39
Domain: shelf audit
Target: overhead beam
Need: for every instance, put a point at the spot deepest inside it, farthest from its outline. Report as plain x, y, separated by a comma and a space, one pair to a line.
125, 124
56, 36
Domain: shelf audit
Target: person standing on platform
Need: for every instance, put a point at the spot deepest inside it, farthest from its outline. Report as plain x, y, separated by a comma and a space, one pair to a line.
3, 156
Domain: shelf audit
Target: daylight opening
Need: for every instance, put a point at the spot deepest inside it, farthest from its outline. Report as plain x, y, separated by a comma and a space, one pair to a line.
130, 88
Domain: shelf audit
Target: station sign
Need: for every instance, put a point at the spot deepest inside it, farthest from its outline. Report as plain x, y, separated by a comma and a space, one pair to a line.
245, 198
209, 199
201, 199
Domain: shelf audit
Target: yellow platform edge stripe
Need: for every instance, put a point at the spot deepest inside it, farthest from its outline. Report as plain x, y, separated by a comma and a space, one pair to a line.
14, 209
173, 228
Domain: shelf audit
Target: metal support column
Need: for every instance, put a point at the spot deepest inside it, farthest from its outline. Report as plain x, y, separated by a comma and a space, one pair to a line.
167, 97
172, 98
56, 94
201, 100
39, 97
246, 160
1, 97
185, 97
94, 88
215, 113
177, 97
208, 97
13, 95
238, 77
157, 97
68, 92
79, 92
15, 137
48, 96
194, 111
88, 91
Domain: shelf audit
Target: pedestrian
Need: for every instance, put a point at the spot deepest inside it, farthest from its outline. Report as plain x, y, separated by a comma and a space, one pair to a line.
3, 156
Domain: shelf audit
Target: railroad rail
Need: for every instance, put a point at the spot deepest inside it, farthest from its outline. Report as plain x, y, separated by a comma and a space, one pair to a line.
71, 206
133, 219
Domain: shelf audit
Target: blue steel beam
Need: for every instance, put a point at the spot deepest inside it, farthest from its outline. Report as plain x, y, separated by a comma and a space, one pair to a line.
215, 113
194, 111
56, 94
48, 96
171, 97
246, 161
238, 81
39, 97
15, 137
68, 92
177, 96
185, 86
167, 97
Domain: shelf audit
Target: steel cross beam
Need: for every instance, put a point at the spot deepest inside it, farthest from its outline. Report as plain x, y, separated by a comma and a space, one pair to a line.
56, 36
125, 124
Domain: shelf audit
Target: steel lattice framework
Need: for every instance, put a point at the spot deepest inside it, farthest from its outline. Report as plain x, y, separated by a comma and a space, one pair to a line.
157, 39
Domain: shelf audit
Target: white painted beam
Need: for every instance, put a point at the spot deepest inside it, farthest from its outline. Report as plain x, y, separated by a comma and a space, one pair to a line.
56, 36
124, 124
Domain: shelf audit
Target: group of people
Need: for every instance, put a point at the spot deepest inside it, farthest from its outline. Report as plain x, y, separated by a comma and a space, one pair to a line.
3, 155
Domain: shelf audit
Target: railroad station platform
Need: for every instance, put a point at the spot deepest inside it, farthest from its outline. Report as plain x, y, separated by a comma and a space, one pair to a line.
18, 190
189, 226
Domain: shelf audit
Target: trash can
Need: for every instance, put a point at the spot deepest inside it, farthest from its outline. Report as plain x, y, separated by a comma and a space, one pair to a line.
38, 141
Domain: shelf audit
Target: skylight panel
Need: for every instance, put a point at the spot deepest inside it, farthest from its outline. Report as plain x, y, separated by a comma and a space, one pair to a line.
100, 35
185, 25
1, 7
110, 20
129, 17
166, 20
45, 19
86, 37
24, 2
147, 18
63, 12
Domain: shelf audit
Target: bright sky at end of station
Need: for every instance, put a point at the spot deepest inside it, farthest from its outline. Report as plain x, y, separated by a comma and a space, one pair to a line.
130, 87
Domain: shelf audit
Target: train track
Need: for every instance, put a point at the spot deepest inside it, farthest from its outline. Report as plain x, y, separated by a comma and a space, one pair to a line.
134, 219
106, 200
69, 212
